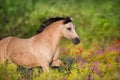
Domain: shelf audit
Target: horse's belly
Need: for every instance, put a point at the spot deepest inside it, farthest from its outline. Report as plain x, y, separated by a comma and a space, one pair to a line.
26, 60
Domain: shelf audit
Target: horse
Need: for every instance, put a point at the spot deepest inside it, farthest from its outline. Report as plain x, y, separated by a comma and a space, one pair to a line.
42, 49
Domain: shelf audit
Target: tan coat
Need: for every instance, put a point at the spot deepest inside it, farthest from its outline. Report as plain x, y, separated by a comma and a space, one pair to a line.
39, 50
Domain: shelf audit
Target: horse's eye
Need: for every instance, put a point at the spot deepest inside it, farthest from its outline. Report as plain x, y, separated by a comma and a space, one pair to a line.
69, 29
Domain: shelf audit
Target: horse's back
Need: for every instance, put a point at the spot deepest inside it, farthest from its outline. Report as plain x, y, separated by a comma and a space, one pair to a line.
3, 48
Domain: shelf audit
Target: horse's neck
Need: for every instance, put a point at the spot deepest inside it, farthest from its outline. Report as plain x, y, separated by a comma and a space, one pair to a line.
50, 36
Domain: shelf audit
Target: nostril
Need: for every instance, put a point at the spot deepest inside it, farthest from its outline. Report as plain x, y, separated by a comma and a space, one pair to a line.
76, 40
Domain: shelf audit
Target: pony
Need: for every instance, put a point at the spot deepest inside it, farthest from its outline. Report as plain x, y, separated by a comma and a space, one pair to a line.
42, 49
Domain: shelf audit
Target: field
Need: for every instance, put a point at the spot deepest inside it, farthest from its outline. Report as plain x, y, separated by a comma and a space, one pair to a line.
97, 57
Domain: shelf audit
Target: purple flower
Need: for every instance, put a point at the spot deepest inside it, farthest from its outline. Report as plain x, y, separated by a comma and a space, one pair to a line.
118, 60
70, 60
81, 63
99, 52
111, 49
63, 78
82, 60
108, 65
89, 77
118, 50
99, 73
95, 68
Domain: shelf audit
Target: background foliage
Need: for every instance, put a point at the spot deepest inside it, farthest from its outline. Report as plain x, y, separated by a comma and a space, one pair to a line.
98, 25
95, 19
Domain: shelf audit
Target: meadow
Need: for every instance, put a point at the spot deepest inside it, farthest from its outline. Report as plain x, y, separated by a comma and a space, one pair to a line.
97, 57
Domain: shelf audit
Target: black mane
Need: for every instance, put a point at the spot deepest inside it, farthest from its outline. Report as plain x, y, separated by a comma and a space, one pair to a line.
52, 20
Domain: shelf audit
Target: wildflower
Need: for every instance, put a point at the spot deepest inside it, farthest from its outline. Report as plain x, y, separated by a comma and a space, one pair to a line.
64, 52
80, 51
63, 49
99, 52
118, 50
76, 52
90, 51
63, 78
99, 73
90, 55
116, 47
69, 49
108, 65
115, 39
95, 44
82, 61
95, 68
78, 57
70, 60
118, 60
89, 77
79, 48
113, 43
118, 42
111, 49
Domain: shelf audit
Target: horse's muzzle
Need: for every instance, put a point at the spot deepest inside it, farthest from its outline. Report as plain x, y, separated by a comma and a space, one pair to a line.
76, 40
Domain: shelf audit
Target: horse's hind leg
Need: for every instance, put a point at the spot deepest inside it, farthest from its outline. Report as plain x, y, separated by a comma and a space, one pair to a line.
25, 72
2, 60
30, 71
3, 49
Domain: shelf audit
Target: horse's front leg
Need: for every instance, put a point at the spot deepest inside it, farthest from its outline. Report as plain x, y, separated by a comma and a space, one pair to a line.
57, 62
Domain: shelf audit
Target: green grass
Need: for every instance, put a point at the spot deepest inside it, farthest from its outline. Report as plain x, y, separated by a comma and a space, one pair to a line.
94, 20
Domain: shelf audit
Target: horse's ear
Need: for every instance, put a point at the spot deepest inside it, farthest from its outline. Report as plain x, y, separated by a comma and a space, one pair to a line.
67, 20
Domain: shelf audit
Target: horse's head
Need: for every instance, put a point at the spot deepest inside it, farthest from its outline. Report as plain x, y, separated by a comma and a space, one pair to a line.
68, 31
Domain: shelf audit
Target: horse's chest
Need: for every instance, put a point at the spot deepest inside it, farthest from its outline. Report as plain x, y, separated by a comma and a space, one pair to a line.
46, 55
